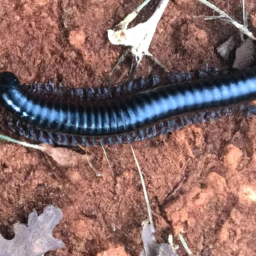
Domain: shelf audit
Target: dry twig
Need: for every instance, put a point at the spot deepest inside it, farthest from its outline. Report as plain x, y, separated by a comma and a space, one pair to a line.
144, 191
226, 17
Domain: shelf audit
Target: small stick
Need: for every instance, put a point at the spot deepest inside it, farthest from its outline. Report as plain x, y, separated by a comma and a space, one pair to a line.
170, 241
121, 59
241, 27
245, 19
142, 5
184, 244
157, 62
144, 191
97, 173
214, 17
245, 16
105, 153
130, 17
25, 144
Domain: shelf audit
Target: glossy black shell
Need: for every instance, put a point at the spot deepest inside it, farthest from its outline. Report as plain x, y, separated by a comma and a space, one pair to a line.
127, 113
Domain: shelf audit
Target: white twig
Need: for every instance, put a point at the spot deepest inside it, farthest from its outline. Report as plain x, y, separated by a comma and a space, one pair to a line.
142, 5
25, 144
105, 153
130, 17
145, 192
170, 241
97, 173
184, 244
241, 27
157, 62
221, 17
245, 15
245, 19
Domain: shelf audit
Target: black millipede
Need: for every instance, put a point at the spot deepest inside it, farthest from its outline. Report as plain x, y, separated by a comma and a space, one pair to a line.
138, 114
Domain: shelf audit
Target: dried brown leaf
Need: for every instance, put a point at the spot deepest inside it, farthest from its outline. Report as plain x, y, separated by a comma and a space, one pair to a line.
63, 156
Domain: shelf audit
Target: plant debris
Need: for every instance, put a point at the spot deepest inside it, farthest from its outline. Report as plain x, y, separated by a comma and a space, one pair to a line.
224, 16
140, 36
245, 54
150, 245
226, 48
35, 238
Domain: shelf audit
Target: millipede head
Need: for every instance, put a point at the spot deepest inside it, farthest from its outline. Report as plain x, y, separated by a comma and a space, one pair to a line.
8, 78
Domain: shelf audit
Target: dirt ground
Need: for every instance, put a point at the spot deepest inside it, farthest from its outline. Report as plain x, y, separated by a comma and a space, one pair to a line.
201, 180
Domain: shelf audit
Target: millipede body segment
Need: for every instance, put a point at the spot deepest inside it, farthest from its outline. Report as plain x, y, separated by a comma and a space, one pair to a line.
129, 117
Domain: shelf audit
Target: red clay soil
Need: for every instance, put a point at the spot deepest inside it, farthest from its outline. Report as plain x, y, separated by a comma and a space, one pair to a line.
201, 180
